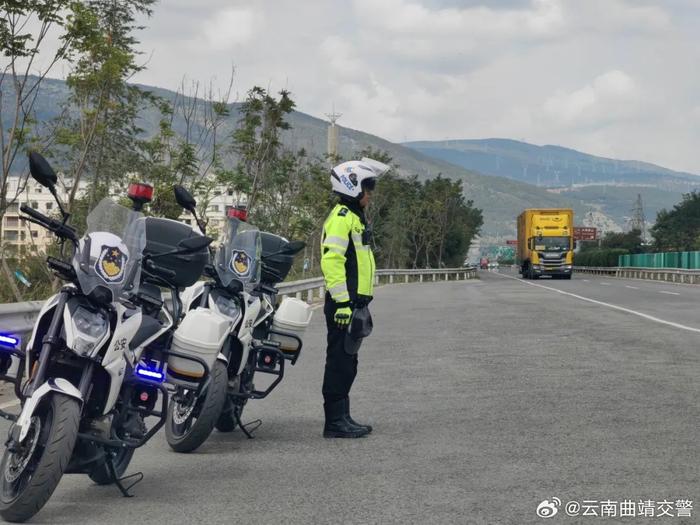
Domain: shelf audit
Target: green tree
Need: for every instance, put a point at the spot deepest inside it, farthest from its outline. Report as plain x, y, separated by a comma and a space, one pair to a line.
19, 88
257, 143
630, 241
100, 139
188, 148
678, 229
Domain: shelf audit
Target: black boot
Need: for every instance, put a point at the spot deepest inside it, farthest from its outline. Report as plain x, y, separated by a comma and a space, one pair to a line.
336, 425
350, 420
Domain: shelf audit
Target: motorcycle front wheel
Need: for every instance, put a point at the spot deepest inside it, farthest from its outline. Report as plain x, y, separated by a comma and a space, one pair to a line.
32, 469
191, 419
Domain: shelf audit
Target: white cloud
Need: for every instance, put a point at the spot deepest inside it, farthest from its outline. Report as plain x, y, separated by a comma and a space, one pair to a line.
611, 96
229, 27
409, 17
614, 77
341, 58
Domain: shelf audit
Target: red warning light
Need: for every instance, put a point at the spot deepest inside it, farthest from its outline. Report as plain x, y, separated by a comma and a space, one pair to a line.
238, 213
143, 192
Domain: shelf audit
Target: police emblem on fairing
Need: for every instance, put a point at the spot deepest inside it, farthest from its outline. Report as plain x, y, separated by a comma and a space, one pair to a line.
111, 264
240, 263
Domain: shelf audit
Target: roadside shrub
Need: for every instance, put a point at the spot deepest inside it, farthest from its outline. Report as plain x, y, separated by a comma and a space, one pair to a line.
601, 257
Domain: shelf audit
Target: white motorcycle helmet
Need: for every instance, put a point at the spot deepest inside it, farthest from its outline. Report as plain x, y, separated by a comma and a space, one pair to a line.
351, 178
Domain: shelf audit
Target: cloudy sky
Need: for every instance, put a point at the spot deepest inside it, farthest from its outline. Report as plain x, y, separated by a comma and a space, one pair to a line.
617, 78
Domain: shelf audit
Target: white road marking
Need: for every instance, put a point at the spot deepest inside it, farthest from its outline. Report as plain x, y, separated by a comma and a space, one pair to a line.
605, 284
669, 293
585, 280
631, 287
608, 305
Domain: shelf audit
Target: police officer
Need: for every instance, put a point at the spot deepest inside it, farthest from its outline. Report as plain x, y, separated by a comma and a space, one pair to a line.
348, 268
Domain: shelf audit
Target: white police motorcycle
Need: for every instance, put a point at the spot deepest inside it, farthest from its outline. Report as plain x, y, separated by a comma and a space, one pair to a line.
86, 383
232, 322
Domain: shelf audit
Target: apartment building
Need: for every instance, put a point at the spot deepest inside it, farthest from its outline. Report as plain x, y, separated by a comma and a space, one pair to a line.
22, 236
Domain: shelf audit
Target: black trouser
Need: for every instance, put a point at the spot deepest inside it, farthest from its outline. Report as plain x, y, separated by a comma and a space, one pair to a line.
341, 368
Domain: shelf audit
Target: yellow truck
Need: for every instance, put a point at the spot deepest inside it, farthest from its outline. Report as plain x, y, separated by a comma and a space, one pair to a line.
546, 243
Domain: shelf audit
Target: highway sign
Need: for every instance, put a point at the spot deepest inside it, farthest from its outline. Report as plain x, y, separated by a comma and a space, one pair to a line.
585, 233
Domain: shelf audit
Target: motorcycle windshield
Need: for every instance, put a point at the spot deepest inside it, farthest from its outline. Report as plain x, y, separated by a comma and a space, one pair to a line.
238, 258
109, 254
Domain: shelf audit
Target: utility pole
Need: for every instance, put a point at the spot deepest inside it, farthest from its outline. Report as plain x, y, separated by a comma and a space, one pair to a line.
333, 135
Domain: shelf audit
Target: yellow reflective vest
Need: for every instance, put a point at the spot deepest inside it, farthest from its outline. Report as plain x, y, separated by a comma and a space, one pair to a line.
347, 261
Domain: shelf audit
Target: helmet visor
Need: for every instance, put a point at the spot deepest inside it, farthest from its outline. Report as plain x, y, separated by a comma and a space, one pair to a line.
369, 184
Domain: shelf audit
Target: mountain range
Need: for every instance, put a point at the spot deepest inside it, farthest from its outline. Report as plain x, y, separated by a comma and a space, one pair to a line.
502, 177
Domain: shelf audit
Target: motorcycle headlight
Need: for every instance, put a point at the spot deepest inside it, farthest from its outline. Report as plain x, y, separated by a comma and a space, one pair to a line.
90, 328
227, 307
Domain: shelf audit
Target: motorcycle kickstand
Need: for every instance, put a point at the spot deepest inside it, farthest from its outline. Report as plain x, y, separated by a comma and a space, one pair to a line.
119, 481
244, 428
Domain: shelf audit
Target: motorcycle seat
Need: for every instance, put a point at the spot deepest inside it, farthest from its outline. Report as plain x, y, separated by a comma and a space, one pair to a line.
149, 327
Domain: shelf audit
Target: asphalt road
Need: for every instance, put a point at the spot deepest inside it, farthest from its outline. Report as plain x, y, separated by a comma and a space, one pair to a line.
487, 397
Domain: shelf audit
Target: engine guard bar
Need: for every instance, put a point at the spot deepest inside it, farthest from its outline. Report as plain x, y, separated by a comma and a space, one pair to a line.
136, 443
20, 355
201, 382
8, 416
278, 372
16, 381
293, 358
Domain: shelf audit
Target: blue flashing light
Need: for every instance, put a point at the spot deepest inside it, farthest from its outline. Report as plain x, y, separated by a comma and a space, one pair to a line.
150, 374
9, 341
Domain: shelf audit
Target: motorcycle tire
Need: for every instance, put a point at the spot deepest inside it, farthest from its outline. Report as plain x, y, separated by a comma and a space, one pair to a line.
189, 435
53, 433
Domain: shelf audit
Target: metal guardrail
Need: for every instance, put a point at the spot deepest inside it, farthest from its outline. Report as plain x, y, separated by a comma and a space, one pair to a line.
18, 318
596, 270
673, 275
314, 288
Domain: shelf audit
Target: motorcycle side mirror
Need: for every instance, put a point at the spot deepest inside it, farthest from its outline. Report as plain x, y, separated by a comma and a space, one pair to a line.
194, 244
184, 198
41, 170
186, 201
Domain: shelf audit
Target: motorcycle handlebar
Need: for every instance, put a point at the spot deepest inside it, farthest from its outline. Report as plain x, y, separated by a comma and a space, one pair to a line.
59, 228
34, 214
